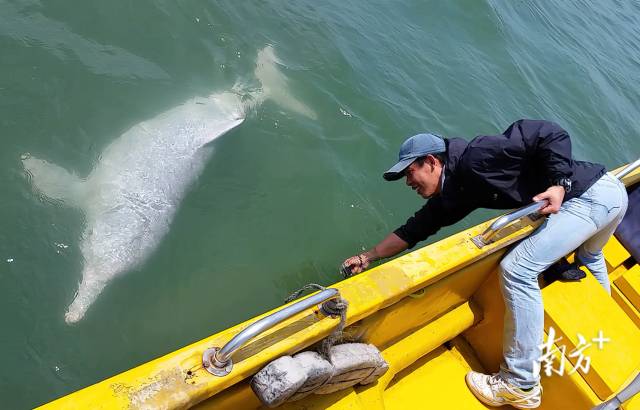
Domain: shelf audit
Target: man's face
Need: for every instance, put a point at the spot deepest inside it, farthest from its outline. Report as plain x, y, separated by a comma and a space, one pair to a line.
425, 178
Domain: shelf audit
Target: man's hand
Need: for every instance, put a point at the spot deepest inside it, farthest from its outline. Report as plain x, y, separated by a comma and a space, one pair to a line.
355, 264
554, 195
389, 246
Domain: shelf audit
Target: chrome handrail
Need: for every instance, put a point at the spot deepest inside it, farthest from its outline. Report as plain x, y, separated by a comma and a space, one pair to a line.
484, 238
507, 219
218, 361
628, 169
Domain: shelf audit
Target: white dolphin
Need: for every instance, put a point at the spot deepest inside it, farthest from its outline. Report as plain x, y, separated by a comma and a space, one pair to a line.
132, 193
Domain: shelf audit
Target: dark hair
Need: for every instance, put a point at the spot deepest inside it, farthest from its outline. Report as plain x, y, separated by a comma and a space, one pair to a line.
440, 156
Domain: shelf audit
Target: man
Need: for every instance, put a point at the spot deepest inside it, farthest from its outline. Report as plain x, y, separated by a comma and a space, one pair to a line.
531, 160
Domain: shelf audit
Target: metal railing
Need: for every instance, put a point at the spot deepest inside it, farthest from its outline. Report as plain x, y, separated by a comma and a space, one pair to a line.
507, 219
628, 169
218, 361
485, 237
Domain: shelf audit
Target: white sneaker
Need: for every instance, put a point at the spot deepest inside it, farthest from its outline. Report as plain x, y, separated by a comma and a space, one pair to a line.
493, 390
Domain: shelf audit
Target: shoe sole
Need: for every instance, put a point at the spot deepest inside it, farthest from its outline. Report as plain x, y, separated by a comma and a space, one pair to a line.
480, 397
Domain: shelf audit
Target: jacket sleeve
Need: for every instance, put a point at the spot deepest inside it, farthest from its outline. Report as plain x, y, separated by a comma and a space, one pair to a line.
548, 143
435, 214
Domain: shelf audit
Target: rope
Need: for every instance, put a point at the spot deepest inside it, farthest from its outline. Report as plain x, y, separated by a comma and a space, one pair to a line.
334, 307
295, 295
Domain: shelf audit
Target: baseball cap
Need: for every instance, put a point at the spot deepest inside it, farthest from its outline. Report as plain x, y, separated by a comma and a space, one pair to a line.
414, 147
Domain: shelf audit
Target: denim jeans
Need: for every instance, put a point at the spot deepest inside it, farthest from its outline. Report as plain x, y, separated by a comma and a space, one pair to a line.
584, 223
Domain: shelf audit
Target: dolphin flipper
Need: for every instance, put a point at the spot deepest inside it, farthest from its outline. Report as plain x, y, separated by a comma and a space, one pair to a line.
53, 181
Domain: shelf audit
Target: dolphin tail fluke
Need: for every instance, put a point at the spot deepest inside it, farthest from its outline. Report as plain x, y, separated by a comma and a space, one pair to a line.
53, 181
274, 84
88, 291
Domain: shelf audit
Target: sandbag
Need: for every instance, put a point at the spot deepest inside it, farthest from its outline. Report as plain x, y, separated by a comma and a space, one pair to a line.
278, 381
317, 369
353, 363
293, 378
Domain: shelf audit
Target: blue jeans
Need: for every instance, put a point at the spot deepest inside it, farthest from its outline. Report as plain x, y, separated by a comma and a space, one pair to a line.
584, 223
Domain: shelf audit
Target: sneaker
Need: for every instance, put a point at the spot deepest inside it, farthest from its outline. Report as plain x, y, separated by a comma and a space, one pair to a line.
493, 390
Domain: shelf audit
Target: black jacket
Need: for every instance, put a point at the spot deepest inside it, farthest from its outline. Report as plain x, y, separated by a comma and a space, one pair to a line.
500, 172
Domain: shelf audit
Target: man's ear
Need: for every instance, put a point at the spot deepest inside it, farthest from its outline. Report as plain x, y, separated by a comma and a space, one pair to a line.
432, 161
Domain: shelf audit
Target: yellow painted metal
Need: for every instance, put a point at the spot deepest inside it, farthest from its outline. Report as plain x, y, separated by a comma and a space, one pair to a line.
627, 307
395, 322
566, 391
413, 352
629, 285
615, 254
426, 376
625, 290
239, 396
408, 307
485, 338
584, 308
616, 273
632, 404
420, 342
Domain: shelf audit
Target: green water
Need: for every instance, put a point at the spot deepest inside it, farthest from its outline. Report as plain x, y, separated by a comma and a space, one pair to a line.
284, 198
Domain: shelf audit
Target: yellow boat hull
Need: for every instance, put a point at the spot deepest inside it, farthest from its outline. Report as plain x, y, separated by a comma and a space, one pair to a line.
435, 314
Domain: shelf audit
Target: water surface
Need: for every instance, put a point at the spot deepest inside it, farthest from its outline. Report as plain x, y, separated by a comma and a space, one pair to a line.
284, 198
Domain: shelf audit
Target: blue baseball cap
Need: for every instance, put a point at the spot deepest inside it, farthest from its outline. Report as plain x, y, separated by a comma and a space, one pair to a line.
414, 147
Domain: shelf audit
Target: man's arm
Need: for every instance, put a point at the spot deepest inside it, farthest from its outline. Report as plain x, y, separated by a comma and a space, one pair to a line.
424, 223
389, 246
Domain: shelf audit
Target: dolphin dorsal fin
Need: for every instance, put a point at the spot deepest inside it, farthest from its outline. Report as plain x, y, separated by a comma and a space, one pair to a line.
274, 84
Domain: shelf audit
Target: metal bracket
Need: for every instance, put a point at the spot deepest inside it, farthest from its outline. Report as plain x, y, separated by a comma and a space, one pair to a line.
213, 366
478, 241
